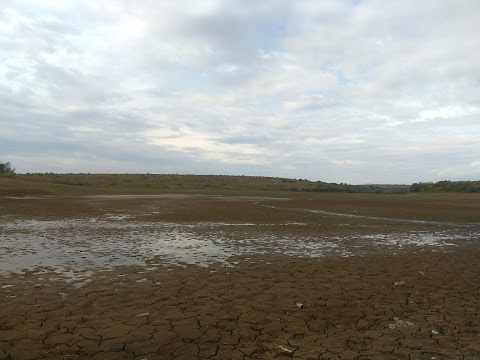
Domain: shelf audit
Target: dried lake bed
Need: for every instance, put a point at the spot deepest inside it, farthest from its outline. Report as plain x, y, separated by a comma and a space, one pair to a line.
192, 276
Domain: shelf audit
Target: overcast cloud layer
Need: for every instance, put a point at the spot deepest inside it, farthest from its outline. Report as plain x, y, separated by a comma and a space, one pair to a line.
345, 91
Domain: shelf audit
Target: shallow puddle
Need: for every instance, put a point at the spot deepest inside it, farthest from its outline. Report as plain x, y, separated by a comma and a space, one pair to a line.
79, 246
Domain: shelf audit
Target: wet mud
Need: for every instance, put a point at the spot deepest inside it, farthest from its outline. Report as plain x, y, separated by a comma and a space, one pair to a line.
194, 277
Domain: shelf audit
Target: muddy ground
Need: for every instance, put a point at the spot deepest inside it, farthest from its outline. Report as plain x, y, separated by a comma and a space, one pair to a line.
204, 277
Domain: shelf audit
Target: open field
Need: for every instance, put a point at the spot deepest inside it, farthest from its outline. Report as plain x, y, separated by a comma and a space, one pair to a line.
238, 274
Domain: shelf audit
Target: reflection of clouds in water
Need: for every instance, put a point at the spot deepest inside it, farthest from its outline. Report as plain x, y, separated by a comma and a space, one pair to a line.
80, 245
419, 239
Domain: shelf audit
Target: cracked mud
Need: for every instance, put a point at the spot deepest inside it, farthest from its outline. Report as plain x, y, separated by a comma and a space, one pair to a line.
192, 277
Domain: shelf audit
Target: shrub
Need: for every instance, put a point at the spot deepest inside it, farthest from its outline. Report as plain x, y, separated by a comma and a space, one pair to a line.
7, 170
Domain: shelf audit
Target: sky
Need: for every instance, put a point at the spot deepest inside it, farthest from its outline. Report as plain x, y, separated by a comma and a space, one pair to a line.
354, 91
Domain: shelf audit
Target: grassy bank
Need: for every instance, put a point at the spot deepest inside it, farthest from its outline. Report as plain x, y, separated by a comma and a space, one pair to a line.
153, 183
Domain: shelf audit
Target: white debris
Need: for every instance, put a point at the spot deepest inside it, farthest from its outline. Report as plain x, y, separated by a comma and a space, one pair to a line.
285, 349
399, 323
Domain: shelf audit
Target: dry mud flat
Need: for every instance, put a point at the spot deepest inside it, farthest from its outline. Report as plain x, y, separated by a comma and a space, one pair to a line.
232, 279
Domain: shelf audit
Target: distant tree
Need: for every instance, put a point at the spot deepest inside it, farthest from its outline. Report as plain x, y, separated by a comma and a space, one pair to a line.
416, 187
445, 185
6, 169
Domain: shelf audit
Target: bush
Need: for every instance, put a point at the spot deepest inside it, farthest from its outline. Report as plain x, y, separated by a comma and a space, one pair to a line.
7, 170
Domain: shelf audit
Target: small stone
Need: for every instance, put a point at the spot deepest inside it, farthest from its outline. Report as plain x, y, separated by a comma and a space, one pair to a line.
285, 349
143, 314
399, 283
399, 323
299, 305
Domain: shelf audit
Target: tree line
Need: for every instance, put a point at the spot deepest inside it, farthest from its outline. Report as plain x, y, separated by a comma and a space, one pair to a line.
446, 186
7, 170
369, 189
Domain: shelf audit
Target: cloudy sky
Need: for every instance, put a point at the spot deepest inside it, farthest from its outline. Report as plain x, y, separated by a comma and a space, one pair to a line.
358, 91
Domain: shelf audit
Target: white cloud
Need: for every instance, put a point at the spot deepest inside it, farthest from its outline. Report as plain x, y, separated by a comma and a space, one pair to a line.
207, 147
446, 112
228, 68
273, 88
307, 102
347, 162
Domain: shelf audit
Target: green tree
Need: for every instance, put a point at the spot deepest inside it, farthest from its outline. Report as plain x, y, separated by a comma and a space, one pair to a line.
7, 170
